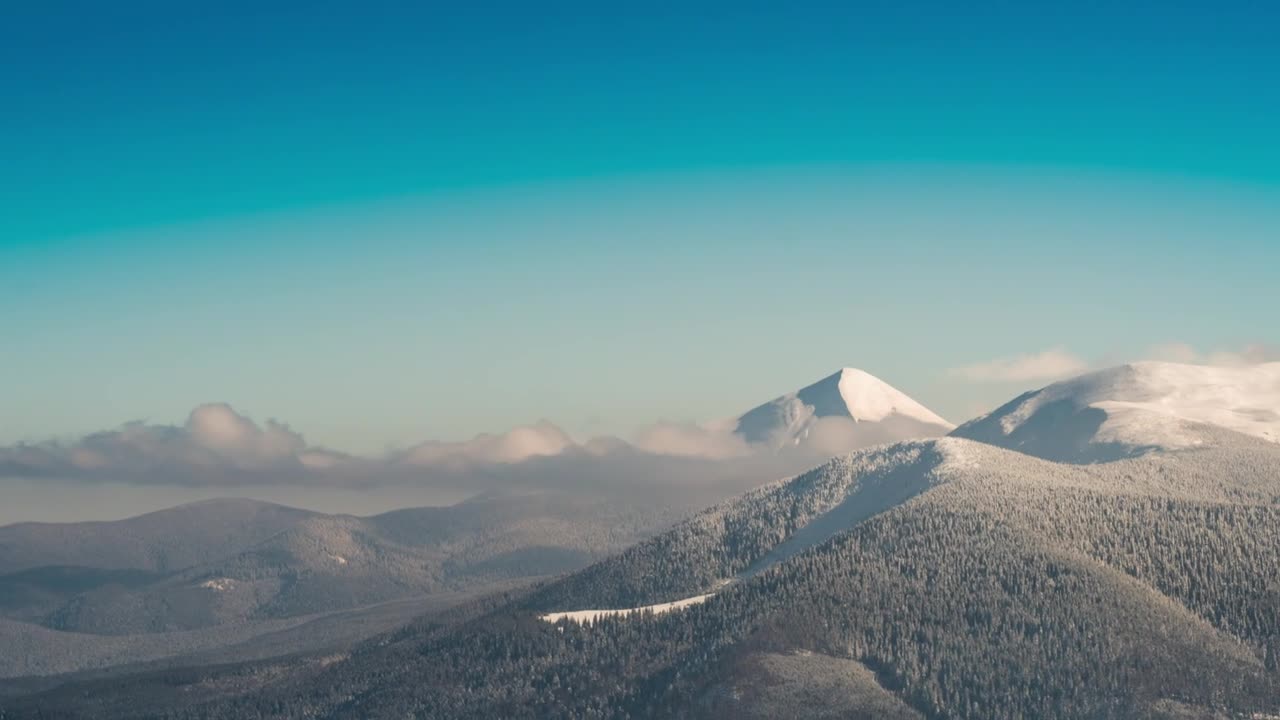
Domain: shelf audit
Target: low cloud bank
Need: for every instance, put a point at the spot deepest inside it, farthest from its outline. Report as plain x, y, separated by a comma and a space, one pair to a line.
1251, 354
693, 441
540, 440
214, 442
1049, 365
218, 447
1058, 363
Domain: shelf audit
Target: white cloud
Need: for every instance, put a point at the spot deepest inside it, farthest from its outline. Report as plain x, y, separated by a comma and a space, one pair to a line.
1250, 354
542, 439
834, 435
686, 440
219, 447
1057, 363
214, 441
1052, 364
1173, 352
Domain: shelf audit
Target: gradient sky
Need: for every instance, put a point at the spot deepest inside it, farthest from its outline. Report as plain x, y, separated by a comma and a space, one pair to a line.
386, 223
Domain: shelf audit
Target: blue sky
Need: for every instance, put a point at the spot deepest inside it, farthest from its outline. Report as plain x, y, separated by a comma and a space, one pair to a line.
383, 224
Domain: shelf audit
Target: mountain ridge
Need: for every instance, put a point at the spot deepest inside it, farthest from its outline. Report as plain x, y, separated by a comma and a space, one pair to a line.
996, 584
1133, 409
935, 577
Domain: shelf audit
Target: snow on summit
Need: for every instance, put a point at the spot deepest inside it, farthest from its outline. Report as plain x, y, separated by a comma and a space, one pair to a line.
843, 411
1129, 409
867, 398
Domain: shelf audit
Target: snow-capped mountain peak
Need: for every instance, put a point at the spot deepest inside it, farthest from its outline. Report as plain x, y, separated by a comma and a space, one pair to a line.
848, 409
867, 398
1129, 409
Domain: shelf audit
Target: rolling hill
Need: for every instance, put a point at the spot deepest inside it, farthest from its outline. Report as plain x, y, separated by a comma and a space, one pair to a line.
286, 565
161, 541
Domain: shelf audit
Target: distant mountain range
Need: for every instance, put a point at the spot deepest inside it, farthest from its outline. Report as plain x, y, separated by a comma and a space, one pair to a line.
236, 564
1102, 548
240, 565
157, 542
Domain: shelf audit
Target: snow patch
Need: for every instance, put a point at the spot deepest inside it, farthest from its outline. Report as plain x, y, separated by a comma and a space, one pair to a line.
957, 455
219, 584
588, 617
870, 399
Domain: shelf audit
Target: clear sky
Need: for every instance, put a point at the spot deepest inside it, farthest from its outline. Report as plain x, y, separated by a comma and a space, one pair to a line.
384, 223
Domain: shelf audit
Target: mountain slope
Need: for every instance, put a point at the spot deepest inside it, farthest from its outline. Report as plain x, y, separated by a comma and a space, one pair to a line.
66, 618
1006, 587
933, 578
322, 563
815, 686
161, 541
947, 577
846, 410
39, 655
1132, 409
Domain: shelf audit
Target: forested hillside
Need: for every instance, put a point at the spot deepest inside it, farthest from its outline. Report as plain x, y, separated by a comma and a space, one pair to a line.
130, 604
986, 584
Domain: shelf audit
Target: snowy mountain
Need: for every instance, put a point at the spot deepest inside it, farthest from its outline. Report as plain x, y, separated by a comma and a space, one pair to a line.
847, 410
932, 578
941, 577
1132, 409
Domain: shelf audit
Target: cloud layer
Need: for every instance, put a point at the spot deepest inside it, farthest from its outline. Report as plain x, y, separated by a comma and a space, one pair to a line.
215, 441
540, 440
216, 446
688, 440
1057, 363
219, 447
1052, 364
1250, 354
